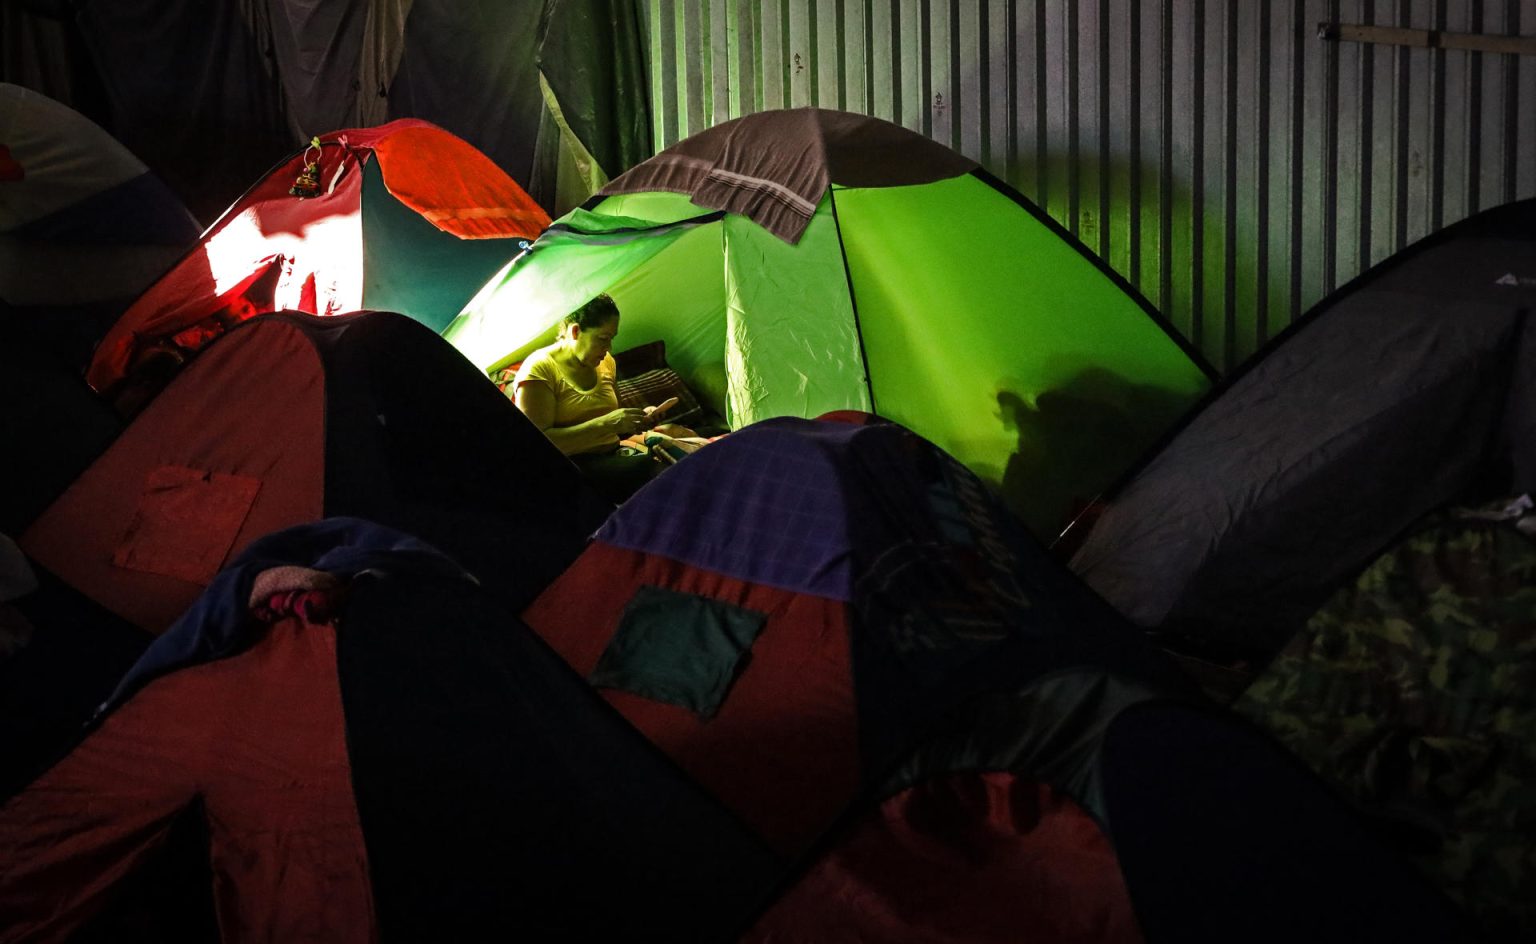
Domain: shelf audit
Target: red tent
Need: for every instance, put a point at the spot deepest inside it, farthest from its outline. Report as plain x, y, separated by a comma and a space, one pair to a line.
395, 757
290, 418
404, 217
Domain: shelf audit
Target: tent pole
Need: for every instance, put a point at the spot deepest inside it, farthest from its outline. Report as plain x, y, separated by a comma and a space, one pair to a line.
853, 300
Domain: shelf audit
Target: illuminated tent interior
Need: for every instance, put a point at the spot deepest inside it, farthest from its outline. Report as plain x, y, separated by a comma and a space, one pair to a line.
803, 261
403, 217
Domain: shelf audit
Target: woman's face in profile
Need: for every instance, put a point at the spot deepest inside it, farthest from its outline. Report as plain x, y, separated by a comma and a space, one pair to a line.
591, 345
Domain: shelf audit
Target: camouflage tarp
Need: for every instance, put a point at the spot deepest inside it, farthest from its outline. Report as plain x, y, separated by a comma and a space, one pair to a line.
1414, 692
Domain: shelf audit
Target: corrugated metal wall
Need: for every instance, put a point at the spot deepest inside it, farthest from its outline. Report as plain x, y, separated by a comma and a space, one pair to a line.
1217, 153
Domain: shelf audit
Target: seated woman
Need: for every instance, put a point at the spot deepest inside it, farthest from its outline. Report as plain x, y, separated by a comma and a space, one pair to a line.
567, 389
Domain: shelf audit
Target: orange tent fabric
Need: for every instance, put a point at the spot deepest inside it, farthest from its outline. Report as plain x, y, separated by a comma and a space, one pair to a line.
273, 250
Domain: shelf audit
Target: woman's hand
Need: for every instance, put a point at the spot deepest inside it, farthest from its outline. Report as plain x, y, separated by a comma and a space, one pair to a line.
624, 420
675, 431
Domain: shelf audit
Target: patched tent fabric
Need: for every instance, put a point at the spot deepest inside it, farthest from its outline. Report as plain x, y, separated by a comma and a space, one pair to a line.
1411, 387
820, 261
411, 765
290, 418
407, 218
844, 618
831, 589
84, 226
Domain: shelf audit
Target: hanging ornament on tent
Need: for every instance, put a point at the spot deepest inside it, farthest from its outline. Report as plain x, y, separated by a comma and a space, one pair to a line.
308, 182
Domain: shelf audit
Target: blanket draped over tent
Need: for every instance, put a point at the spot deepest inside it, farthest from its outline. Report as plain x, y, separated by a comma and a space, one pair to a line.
821, 261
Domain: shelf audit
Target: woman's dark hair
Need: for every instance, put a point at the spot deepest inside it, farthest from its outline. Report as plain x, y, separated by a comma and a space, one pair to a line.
595, 313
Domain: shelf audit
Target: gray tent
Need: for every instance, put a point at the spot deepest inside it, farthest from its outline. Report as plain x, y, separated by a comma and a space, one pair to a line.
1411, 387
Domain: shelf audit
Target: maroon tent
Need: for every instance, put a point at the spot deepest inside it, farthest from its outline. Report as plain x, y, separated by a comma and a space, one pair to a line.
391, 754
291, 418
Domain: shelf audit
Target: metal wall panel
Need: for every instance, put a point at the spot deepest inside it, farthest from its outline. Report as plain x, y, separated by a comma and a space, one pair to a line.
1227, 161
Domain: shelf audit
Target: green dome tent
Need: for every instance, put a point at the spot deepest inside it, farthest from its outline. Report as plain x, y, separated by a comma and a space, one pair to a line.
804, 261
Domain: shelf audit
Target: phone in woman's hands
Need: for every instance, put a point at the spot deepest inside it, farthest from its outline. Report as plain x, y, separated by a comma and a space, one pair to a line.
653, 414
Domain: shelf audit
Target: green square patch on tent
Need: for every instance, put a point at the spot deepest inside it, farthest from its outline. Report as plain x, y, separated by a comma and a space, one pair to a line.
679, 648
